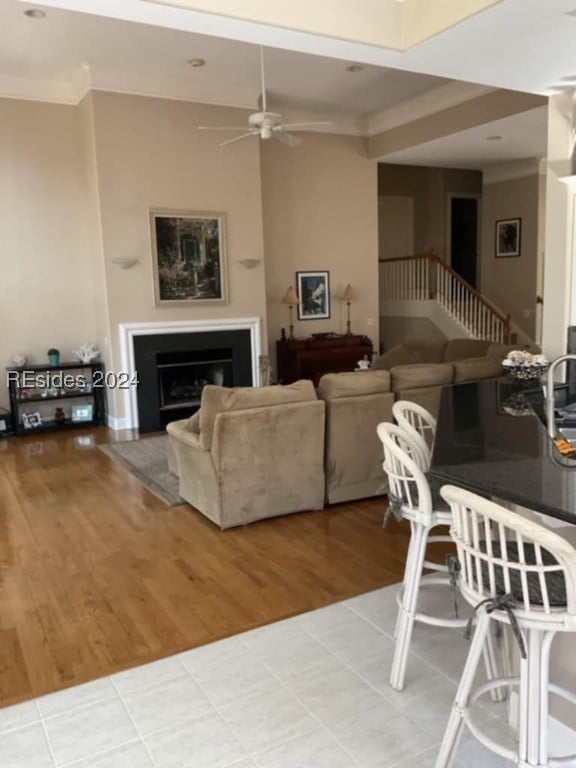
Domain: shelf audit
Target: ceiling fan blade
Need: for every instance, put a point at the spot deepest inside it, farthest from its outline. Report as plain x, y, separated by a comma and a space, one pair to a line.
237, 138
303, 126
220, 127
287, 138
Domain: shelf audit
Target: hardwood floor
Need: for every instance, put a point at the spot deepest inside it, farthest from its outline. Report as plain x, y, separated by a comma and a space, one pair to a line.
97, 574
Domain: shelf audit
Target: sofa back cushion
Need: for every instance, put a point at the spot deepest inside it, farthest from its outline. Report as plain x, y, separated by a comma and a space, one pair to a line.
397, 355
462, 349
422, 375
217, 400
335, 385
476, 368
428, 350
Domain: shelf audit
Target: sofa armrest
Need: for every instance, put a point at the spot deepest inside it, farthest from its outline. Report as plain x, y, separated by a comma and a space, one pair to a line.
178, 431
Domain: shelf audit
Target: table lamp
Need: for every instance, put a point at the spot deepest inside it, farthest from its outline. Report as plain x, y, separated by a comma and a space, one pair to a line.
348, 296
291, 298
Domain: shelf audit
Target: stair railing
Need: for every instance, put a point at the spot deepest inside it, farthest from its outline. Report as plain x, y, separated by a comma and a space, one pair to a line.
426, 276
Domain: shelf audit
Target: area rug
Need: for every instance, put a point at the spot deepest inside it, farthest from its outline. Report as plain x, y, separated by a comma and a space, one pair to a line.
147, 460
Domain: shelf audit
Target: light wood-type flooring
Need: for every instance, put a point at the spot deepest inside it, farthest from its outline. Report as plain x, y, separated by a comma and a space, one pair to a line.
98, 575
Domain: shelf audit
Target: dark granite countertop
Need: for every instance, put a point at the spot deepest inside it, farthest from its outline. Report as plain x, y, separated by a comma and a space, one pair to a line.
482, 446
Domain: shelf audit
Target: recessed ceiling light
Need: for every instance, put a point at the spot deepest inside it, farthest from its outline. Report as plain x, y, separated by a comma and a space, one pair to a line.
354, 68
493, 138
35, 13
196, 62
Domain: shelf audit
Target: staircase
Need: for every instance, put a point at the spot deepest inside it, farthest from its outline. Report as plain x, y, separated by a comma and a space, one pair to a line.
425, 285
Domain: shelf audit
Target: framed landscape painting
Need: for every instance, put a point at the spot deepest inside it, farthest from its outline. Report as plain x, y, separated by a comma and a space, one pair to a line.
313, 289
508, 236
189, 257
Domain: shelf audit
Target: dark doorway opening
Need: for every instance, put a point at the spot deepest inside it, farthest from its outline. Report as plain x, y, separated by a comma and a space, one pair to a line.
464, 238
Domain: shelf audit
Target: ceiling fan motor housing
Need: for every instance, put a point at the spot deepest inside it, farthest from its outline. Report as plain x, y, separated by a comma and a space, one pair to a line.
264, 123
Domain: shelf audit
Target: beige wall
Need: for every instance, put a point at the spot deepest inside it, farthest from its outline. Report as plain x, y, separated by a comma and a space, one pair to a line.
511, 282
430, 189
46, 289
320, 213
78, 192
150, 155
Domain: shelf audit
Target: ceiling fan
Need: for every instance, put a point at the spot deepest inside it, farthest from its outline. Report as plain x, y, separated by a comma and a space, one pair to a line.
266, 125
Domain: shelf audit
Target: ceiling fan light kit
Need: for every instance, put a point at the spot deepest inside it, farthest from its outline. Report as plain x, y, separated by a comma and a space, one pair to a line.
266, 125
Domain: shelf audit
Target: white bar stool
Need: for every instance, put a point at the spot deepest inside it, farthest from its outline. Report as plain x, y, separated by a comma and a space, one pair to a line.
418, 423
516, 572
411, 499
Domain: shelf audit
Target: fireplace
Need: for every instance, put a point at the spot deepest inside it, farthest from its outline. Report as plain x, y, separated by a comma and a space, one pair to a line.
175, 361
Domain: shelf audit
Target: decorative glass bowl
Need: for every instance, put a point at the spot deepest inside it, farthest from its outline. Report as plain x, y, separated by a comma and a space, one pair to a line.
527, 372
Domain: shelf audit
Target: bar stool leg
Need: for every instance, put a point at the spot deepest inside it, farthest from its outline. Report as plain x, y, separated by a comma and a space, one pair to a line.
494, 661
533, 709
410, 587
456, 720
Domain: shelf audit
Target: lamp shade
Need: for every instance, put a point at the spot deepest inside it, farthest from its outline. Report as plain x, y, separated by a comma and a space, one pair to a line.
291, 297
349, 293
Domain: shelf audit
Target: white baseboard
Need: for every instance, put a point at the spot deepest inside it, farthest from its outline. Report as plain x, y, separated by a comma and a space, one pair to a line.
117, 424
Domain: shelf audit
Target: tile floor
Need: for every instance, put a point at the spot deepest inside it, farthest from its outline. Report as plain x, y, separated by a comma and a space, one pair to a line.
308, 692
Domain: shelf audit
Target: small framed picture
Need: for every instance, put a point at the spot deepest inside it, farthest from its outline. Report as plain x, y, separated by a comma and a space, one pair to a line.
313, 290
508, 238
32, 420
84, 412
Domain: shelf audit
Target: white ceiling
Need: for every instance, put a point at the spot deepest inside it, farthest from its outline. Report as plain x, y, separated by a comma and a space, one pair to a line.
141, 47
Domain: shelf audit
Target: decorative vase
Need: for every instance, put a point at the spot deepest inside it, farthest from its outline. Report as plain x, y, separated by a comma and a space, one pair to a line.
59, 416
54, 359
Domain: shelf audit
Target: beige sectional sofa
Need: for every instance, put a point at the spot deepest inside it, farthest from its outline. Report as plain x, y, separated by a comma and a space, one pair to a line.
252, 453
420, 368
355, 404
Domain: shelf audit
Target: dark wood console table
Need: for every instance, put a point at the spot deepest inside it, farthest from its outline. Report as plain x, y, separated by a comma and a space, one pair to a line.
313, 357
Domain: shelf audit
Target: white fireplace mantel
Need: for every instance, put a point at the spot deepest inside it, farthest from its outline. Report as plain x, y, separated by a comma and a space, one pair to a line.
128, 331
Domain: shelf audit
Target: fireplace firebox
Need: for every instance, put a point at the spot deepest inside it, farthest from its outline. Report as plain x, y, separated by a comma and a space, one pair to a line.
173, 369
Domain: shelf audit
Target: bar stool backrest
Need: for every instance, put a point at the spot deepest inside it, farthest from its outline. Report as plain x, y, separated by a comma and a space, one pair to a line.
501, 552
402, 463
418, 422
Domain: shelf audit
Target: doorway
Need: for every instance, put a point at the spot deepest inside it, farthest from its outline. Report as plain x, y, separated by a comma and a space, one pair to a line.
463, 230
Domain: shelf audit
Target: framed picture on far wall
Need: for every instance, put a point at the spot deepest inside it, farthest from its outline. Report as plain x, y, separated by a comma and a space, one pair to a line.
313, 290
508, 238
189, 257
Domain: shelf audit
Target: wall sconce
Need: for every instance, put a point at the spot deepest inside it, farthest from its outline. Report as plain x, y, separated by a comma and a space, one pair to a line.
348, 296
291, 298
124, 262
249, 263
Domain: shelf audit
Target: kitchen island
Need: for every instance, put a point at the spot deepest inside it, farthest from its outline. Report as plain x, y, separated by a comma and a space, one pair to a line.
489, 442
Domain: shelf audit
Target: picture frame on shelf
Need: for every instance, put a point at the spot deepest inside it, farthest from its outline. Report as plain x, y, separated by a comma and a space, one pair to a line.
81, 412
508, 238
313, 289
189, 257
32, 419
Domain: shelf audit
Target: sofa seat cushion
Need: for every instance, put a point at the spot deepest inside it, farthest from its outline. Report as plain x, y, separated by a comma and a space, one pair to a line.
421, 375
462, 349
217, 400
476, 368
334, 385
397, 355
